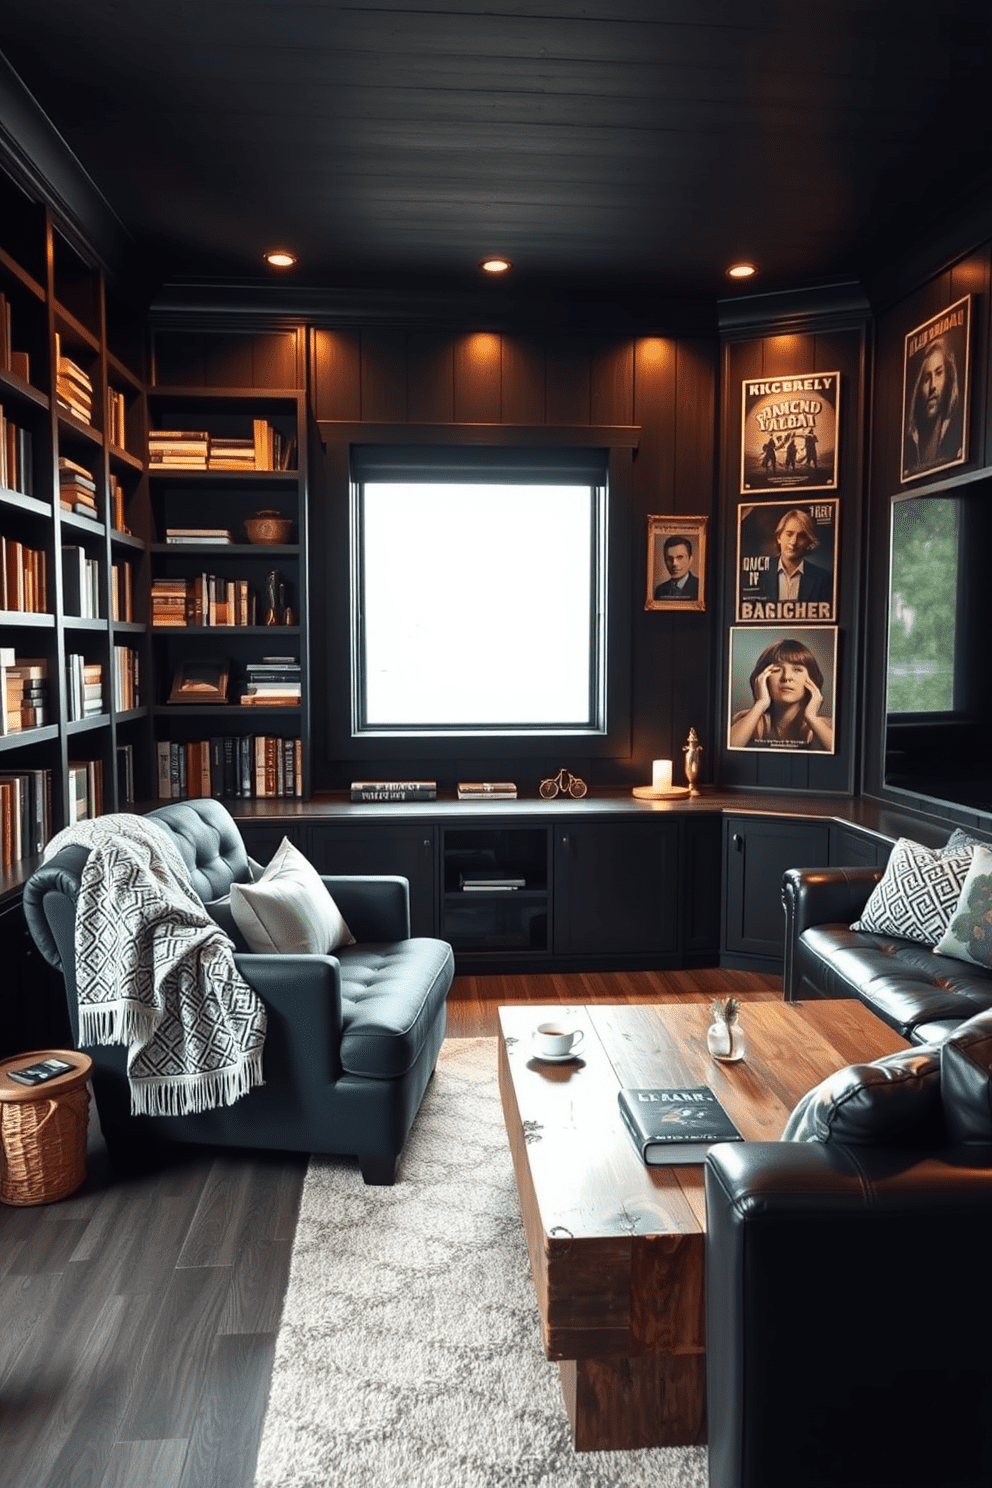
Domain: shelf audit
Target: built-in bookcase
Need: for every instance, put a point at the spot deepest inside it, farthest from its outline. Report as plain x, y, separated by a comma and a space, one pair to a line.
72, 619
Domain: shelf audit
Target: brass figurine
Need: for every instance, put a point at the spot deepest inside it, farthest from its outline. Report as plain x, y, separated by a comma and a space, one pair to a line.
693, 751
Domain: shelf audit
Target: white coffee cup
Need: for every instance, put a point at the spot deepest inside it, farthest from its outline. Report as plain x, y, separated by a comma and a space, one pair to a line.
554, 1040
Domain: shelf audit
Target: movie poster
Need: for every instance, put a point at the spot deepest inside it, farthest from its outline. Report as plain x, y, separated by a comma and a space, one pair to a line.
935, 387
782, 688
789, 432
787, 561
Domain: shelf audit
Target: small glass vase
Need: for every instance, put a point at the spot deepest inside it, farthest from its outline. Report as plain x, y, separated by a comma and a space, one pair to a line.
726, 1041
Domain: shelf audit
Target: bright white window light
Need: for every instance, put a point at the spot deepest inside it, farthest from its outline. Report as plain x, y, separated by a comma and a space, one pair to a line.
480, 607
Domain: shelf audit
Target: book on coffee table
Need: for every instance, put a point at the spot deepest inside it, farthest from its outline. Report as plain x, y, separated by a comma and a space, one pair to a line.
677, 1124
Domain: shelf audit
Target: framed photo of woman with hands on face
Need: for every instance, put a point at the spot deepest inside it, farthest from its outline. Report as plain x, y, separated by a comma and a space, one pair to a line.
783, 688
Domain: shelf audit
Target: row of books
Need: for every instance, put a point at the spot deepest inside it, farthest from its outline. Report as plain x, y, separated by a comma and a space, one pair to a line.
84, 687
16, 457
197, 449
116, 418
204, 600
230, 767
85, 789
23, 577
25, 814
80, 583
23, 691
125, 679
122, 591
77, 488
73, 386
11, 360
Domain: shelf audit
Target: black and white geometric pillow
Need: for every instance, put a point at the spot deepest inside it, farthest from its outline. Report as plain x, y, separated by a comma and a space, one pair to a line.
918, 893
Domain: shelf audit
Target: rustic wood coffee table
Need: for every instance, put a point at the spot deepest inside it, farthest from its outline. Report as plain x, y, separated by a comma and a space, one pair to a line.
616, 1247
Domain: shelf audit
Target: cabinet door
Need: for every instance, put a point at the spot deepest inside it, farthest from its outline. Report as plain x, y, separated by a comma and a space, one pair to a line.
390, 849
853, 849
615, 888
757, 854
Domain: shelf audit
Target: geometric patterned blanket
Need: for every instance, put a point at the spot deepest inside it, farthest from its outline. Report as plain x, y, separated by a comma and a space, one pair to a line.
156, 973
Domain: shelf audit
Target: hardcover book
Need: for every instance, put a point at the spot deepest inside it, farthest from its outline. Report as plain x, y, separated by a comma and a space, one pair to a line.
678, 1124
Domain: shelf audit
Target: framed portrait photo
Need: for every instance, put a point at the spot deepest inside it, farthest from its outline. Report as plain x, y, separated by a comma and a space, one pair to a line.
936, 384
782, 689
787, 561
201, 681
789, 431
676, 563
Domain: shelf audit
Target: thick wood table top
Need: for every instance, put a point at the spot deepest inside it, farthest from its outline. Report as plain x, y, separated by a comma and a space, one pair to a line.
597, 1217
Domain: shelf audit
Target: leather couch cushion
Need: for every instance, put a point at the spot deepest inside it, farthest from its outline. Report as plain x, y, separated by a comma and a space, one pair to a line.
894, 1101
390, 997
966, 1081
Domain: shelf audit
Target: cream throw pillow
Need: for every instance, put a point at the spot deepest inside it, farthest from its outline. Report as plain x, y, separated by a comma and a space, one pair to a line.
288, 909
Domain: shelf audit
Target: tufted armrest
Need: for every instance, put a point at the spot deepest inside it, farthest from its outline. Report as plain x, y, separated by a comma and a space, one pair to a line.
820, 896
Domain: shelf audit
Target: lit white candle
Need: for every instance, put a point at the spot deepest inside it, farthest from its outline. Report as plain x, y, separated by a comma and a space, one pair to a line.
661, 775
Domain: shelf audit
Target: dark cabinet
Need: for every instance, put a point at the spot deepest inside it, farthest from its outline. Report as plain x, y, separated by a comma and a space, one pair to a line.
495, 890
850, 848
616, 888
756, 853
385, 848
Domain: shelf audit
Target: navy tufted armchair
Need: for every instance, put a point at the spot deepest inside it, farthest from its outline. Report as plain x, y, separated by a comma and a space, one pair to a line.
352, 1038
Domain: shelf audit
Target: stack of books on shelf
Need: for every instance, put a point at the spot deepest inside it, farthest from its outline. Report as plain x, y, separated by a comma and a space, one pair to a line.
199, 536
23, 577
205, 600
116, 418
85, 789
273, 682
84, 687
77, 488
232, 767
16, 457
178, 449
489, 881
73, 387
231, 454
394, 790
80, 583
122, 591
23, 691
25, 813
10, 360
486, 790
125, 679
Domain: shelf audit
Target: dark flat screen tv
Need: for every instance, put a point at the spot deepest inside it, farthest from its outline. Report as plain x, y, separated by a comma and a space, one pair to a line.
938, 733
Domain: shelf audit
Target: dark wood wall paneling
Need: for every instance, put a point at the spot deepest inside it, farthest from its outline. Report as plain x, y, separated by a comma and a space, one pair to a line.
829, 350
249, 359
666, 387
971, 275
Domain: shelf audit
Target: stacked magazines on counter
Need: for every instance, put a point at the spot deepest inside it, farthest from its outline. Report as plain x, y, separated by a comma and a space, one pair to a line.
677, 1124
487, 790
394, 790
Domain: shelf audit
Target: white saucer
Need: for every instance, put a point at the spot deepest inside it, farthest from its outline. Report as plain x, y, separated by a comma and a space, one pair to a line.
556, 1058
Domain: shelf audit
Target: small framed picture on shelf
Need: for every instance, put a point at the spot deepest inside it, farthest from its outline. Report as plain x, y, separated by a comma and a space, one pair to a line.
201, 681
676, 563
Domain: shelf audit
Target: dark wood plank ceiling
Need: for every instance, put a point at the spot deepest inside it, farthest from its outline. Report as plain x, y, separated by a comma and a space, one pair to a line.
612, 143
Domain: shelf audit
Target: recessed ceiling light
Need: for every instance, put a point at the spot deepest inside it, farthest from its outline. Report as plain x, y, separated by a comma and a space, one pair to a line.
742, 270
495, 265
280, 258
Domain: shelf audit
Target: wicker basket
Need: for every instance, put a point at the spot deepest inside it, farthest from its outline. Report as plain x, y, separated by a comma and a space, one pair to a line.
43, 1133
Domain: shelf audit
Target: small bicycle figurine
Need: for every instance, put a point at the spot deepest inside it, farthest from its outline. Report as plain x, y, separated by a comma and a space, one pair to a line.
564, 783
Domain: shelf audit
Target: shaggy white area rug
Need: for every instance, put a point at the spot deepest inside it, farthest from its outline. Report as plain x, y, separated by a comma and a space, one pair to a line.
410, 1351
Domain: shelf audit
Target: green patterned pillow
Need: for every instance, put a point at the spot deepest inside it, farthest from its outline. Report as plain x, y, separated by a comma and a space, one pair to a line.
969, 931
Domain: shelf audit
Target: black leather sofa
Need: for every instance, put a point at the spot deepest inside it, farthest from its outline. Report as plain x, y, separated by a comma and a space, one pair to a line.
922, 995
352, 1038
848, 1321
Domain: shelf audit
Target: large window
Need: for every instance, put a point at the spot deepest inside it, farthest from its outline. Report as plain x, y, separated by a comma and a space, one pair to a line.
924, 592
479, 600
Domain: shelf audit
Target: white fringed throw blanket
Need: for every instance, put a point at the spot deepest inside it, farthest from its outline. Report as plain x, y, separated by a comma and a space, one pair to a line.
154, 972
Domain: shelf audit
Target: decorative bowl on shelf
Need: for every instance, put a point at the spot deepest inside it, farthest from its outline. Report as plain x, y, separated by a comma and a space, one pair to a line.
268, 527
